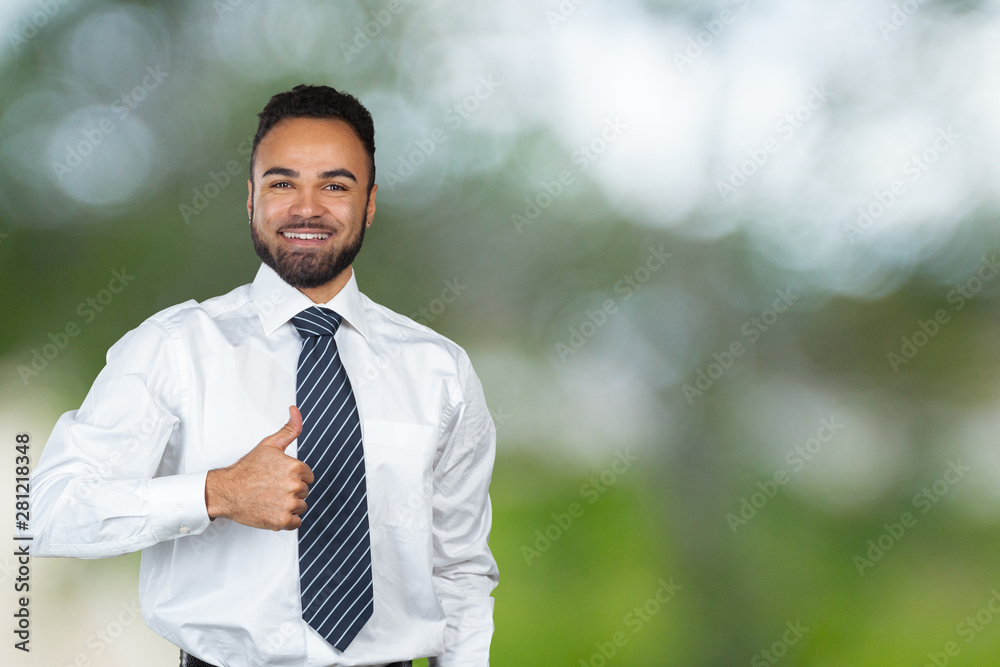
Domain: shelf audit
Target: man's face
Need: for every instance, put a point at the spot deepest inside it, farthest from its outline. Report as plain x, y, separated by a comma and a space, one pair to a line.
310, 203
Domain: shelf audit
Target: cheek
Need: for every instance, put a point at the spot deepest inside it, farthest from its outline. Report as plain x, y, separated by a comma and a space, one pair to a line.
346, 210
272, 207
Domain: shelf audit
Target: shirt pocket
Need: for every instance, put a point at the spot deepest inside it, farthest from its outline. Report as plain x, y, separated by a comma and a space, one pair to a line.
399, 458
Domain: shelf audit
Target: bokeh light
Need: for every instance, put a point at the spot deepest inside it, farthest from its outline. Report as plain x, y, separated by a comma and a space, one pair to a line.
727, 243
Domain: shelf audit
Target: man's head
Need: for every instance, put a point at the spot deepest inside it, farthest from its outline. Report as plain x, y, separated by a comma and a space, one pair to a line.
304, 101
311, 190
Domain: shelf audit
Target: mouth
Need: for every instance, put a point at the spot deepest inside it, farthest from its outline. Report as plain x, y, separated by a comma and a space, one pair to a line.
305, 237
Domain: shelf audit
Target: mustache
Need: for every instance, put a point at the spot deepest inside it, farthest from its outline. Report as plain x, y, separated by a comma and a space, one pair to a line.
302, 223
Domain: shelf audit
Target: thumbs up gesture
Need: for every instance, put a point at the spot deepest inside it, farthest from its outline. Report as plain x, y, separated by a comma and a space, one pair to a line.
266, 488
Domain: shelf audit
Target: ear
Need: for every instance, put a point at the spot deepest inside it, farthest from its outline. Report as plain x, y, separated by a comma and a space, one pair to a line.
370, 212
250, 200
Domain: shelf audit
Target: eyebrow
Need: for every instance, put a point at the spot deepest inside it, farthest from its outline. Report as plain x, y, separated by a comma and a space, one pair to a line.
334, 173
291, 173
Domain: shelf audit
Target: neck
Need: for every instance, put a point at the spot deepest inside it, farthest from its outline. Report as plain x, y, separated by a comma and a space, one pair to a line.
327, 291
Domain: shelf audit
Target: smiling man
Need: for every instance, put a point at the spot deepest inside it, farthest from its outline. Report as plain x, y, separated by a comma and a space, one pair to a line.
357, 532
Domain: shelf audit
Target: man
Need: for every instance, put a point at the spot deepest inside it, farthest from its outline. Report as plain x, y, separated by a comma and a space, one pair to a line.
355, 534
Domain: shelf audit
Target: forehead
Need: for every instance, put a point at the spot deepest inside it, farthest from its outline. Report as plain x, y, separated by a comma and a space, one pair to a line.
322, 142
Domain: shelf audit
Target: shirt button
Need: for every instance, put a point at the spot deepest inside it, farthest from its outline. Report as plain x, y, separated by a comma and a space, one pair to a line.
184, 530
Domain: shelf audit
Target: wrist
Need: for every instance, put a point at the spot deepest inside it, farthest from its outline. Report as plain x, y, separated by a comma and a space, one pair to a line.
215, 494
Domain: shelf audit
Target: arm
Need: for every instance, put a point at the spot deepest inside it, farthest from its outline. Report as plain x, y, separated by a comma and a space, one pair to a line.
93, 492
464, 569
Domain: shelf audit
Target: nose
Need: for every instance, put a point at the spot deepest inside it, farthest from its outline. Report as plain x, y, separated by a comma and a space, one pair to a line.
306, 204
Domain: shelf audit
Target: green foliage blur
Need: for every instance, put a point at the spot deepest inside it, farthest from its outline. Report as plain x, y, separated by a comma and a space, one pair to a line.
691, 469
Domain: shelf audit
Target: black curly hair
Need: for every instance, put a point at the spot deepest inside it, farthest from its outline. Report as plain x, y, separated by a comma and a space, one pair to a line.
304, 101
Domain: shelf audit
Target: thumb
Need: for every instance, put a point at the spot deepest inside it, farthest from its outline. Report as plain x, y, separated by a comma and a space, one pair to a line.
291, 430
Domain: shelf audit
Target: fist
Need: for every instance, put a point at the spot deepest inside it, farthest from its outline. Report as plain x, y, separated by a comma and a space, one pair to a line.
266, 488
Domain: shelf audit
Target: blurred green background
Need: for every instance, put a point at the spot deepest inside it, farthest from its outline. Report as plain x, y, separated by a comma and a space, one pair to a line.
727, 271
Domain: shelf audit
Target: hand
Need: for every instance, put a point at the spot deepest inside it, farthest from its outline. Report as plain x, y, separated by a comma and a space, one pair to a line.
266, 488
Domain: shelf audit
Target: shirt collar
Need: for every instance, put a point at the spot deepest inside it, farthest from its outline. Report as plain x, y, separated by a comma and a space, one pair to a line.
277, 302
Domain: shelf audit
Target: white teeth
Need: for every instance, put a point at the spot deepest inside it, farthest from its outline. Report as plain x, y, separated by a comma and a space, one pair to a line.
293, 235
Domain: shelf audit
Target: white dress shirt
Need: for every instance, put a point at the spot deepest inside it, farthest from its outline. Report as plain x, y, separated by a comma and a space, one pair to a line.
197, 386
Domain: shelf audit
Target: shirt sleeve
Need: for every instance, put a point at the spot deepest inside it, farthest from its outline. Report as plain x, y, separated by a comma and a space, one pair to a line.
465, 571
95, 492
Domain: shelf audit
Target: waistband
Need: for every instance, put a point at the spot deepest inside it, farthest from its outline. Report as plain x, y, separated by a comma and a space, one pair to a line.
191, 661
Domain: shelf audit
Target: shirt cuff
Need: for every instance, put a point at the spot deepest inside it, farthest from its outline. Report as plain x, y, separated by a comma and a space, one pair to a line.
177, 505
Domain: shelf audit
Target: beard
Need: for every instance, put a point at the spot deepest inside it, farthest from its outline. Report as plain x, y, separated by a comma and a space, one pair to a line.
307, 269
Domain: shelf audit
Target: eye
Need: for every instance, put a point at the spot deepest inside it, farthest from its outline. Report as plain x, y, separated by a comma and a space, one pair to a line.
336, 186
280, 184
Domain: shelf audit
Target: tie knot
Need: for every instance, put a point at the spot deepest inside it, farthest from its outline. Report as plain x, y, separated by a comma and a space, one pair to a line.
316, 321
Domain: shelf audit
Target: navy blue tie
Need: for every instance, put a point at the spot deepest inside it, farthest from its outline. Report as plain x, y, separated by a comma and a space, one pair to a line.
335, 564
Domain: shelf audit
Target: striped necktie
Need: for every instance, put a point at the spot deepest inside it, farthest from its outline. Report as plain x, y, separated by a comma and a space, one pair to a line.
335, 566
